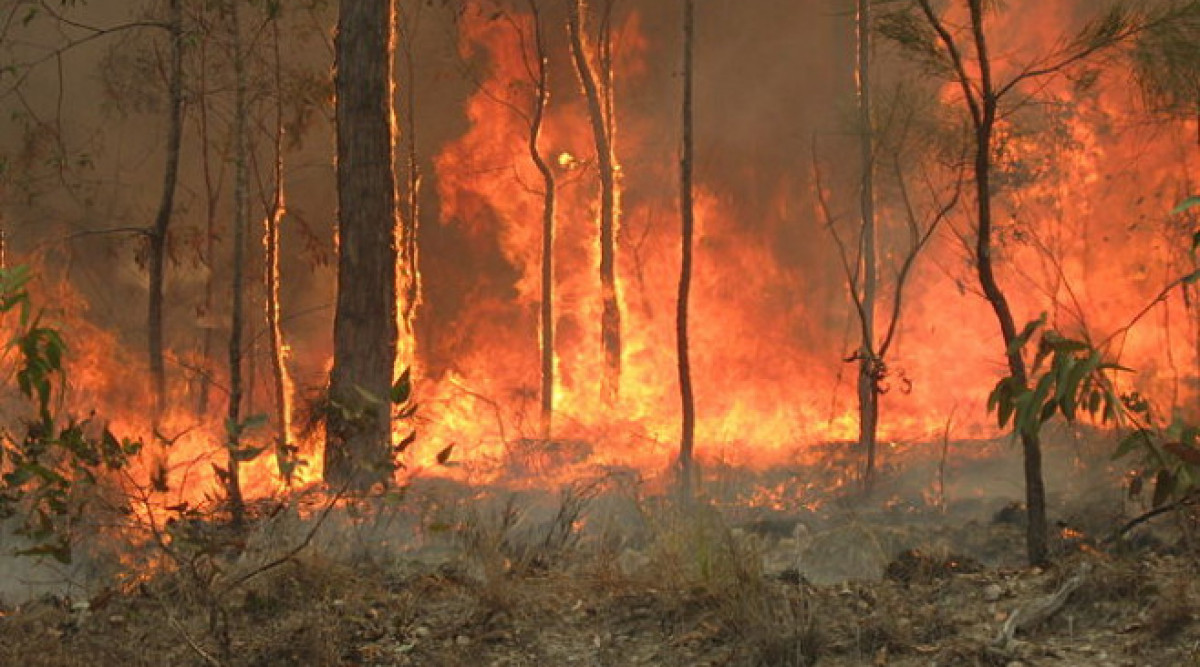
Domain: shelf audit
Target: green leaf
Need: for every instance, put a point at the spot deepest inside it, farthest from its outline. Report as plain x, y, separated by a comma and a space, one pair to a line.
1026, 333
1190, 202
402, 388
1004, 412
1048, 411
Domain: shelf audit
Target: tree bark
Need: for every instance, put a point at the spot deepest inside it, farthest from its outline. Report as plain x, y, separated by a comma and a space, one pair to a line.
281, 379
610, 318
358, 430
212, 197
549, 194
687, 214
157, 236
868, 363
410, 274
985, 121
241, 212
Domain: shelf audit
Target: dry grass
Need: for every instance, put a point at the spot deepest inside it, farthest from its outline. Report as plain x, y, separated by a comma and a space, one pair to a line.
596, 574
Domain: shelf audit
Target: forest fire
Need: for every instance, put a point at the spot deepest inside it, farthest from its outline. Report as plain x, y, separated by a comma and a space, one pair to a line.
600, 332
1086, 180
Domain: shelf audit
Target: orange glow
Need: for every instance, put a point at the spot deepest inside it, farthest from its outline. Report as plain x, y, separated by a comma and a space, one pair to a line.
1083, 233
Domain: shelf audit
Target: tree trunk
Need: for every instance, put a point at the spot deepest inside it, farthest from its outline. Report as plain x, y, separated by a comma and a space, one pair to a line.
410, 274
281, 380
212, 197
610, 318
868, 364
358, 429
162, 220
541, 97
687, 214
1035, 491
241, 211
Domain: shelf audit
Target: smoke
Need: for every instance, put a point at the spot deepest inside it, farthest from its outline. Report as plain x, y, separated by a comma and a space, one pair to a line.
773, 322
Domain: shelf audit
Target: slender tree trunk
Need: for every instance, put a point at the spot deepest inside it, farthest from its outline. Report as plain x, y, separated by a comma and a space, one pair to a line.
541, 97
687, 214
212, 197
358, 431
281, 379
162, 220
868, 385
1035, 491
241, 210
610, 318
410, 274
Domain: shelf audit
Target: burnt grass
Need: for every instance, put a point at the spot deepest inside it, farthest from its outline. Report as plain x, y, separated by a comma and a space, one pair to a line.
766, 570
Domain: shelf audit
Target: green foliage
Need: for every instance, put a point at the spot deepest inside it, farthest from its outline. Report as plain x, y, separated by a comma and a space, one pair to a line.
50, 473
1070, 378
1169, 456
401, 404
1067, 377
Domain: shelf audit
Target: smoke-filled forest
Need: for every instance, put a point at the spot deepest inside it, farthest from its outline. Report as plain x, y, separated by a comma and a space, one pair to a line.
605, 332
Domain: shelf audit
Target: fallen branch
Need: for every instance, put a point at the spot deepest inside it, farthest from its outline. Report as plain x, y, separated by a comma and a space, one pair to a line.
1039, 611
1136, 521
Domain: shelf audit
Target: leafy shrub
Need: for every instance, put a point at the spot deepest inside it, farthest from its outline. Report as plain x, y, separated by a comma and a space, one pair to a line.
48, 469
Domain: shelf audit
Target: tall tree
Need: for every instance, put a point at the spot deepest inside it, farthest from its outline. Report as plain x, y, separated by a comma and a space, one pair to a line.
408, 25
358, 428
597, 90
541, 98
157, 234
967, 61
868, 358
281, 380
241, 222
687, 213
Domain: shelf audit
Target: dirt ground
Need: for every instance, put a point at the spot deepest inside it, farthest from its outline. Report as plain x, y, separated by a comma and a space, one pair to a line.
599, 574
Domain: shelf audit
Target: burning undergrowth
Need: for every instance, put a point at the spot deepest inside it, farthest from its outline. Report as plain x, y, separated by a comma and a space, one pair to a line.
532, 517
611, 569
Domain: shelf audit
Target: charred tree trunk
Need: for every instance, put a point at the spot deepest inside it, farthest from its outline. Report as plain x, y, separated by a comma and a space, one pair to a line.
162, 220
610, 318
241, 212
285, 449
868, 362
358, 429
687, 214
549, 194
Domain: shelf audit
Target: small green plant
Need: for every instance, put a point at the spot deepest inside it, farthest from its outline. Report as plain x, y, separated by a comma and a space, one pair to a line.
1170, 455
1067, 376
51, 471
1072, 378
